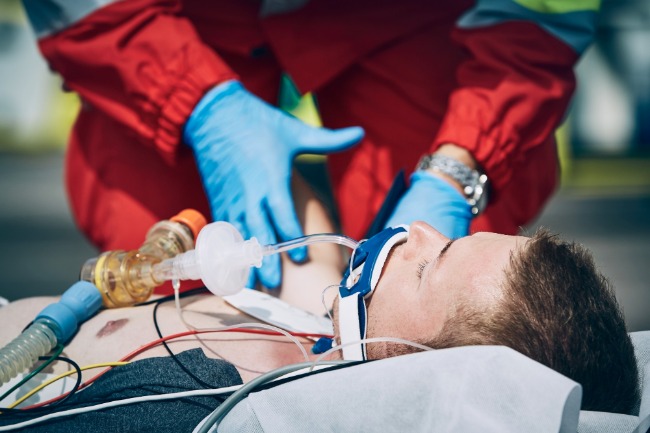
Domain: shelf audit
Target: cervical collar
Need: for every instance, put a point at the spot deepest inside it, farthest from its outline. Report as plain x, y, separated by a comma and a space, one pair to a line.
358, 284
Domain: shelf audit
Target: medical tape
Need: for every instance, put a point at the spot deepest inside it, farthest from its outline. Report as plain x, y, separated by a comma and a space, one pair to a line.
350, 327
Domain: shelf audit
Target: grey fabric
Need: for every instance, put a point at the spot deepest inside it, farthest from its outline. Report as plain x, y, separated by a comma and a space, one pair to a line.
477, 388
238, 420
644, 426
641, 341
50, 16
603, 422
145, 377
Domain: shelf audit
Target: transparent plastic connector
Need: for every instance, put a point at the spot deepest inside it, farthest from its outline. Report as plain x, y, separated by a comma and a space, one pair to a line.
126, 277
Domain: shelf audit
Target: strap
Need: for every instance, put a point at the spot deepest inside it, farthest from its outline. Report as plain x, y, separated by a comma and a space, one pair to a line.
369, 259
350, 327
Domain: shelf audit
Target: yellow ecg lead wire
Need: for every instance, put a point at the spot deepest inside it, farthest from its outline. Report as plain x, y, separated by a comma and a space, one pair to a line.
61, 376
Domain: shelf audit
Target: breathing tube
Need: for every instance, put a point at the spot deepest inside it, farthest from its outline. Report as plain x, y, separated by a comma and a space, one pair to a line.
222, 258
55, 324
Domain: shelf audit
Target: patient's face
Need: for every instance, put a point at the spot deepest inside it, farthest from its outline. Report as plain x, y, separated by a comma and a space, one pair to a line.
428, 276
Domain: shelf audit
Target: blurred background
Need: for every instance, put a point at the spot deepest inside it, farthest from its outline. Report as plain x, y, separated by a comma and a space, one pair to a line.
604, 201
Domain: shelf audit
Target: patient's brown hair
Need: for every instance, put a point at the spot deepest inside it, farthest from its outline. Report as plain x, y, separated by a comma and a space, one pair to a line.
560, 311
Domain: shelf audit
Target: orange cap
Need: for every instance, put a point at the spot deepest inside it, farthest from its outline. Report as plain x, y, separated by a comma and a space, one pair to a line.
193, 219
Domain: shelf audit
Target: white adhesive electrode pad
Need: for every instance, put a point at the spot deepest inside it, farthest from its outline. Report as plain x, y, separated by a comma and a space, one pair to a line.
279, 313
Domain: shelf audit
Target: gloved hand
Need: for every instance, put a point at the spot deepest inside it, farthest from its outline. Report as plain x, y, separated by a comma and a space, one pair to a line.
244, 149
435, 201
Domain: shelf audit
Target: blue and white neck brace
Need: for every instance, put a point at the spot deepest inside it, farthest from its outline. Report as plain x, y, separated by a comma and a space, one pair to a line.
358, 284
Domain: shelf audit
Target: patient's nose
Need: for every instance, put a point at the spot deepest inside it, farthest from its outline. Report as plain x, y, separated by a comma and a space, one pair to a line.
422, 236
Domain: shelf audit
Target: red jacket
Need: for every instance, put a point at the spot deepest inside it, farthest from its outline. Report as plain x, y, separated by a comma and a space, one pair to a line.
142, 65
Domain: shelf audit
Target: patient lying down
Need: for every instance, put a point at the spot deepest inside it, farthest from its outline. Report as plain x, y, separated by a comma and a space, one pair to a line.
540, 296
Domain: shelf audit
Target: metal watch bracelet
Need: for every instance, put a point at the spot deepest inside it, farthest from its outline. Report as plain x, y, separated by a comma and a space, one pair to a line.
473, 182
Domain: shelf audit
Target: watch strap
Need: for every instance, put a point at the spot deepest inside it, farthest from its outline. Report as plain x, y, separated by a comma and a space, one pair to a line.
473, 182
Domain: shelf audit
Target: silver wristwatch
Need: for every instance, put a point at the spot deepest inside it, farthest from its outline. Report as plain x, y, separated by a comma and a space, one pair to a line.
474, 183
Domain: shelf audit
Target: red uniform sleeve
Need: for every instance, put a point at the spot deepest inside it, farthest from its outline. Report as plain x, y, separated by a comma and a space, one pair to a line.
141, 63
513, 91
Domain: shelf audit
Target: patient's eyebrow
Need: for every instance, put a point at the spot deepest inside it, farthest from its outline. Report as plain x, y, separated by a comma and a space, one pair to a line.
444, 250
441, 255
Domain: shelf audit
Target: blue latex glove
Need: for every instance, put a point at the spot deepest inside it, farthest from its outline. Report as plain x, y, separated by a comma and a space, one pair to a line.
436, 202
244, 150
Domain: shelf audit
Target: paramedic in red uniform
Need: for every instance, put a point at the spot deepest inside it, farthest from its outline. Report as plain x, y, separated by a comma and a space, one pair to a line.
178, 109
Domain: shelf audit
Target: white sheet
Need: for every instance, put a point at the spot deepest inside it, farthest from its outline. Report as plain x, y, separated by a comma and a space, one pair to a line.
465, 389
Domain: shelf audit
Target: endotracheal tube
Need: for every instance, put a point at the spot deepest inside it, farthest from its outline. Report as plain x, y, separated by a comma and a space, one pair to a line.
222, 258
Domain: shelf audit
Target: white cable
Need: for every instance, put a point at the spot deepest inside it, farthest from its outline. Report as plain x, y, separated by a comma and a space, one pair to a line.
370, 340
322, 300
110, 404
176, 285
293, 339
